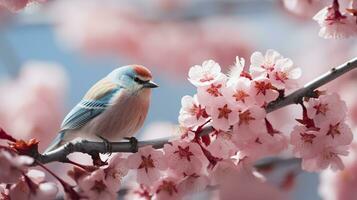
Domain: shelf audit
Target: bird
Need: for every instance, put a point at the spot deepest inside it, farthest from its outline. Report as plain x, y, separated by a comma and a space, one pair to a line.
113, 109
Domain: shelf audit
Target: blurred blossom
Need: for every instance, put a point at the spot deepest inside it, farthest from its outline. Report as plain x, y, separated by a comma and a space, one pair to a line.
341, 185
16, 5
303, 7
123, 30
32, 103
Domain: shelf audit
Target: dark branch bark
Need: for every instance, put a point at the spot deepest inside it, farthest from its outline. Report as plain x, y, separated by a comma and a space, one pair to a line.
99, 147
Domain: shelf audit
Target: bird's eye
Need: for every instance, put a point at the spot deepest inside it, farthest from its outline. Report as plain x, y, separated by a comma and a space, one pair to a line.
136, 79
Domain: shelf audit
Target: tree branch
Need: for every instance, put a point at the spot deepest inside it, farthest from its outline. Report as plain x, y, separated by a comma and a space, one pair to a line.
88, 147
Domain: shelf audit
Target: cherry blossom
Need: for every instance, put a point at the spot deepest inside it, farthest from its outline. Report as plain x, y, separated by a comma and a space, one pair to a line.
167, 188
115, 171
223, 114
239, 92
341, 184
326, 107
191, 113
328, 157
262, 64
303, 7
222, 146
237, 181
334, 24
94, 186
237, 71
148, 164
264, 91
285, 75
32, 187
206, 74
140, 192
212, 92
12, 166
185, 158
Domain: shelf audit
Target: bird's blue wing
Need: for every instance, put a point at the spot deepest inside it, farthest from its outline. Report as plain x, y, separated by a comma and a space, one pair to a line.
87, 109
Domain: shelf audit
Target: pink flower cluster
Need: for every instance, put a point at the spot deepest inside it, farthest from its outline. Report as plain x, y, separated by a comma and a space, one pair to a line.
234, 104
103, 182
18, 182
323, 136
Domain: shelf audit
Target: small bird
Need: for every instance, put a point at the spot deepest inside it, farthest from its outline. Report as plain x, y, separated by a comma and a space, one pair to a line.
114, 108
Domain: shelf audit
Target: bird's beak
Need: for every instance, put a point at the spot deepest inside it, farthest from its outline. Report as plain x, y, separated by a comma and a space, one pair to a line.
150, 84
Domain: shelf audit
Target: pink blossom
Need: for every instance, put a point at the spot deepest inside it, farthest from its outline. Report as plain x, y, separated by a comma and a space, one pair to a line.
328, 157
115, 171
191, 113
94, 186
264, 91
223, 114
43, 86
341, 184
12, 166
285, 74
222, 146
239, 92
210, 93
306, 143
251, 119
193, 184
302, 7
185, 158
15, 5
326, 107
167, 189
140, 192
237, 181
33, 187
262, 64
334, 24
236, 72
206, 74
254, 146
148, 163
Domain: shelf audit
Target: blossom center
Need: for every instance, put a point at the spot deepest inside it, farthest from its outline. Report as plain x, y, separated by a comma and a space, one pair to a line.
245, 117
147, 162
184, 152
307, 138
197, 111
333, 130
321, 108
240, 95
167, 186
214, 90
262, 87
281, 76
224, 112
99, 186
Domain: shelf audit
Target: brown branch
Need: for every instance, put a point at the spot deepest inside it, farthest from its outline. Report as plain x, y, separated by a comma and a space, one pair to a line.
88, 147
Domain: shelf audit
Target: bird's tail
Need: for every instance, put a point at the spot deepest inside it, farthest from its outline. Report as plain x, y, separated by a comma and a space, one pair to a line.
57, 142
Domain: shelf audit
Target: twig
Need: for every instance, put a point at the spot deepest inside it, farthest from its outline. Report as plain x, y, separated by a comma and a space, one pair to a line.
84, 146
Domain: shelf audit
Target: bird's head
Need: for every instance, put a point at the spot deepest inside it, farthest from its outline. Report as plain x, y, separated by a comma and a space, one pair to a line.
133, 77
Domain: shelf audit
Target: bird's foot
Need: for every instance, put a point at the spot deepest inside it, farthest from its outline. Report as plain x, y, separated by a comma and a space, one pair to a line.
133, 143
96, 159
107, 144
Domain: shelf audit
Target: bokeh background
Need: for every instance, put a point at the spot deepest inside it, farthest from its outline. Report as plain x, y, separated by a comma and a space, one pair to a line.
50, 55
